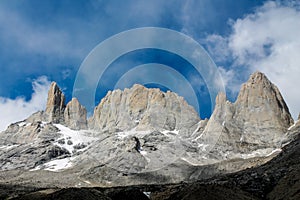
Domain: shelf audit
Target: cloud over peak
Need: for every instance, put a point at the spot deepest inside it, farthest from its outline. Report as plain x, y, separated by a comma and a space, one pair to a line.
13, 110
266, 40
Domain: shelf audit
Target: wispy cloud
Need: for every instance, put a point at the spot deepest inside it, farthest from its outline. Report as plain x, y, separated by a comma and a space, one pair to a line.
13, 110
21, 34
218, 47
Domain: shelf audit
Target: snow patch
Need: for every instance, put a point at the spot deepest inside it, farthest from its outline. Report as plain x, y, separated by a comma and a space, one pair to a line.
147, 194
197, 129
72, 138
198, 137
188, 161
166, 132
242, 138
55, 165
8, 147
274, 151
203, 146
131, 133
22, 123
293, 125
143, 152
259, 153
43, 124
88, 182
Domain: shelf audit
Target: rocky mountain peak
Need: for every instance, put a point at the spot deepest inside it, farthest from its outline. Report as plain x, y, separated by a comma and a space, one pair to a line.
75, 115
220, 99
143, 108
258, 118
261, 99
55, 104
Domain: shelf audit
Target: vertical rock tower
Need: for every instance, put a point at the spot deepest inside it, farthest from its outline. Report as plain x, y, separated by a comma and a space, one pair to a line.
75, 115
258, 119
55, 104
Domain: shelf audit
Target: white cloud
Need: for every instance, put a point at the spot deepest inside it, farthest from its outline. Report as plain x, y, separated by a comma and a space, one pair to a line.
24, 36
218, 47
229, 80
268, 41
13, 110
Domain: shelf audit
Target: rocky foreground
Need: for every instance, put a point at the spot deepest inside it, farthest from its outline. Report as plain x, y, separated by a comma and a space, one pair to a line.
277, 179
142, 143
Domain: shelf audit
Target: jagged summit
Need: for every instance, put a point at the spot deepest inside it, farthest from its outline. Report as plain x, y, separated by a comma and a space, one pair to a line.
262, 107
259, 96
55, 104
258, 118
73, 114
144, 109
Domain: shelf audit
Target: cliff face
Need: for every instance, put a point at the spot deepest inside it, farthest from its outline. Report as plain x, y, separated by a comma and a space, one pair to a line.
143, 109
258, 119
55, 104
75, 115
261, 106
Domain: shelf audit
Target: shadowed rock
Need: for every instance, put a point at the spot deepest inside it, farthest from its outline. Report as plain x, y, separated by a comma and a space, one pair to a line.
75, 115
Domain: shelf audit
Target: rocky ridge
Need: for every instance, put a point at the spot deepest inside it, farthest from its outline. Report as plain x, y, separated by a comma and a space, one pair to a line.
277, 179
143, 109
142, 135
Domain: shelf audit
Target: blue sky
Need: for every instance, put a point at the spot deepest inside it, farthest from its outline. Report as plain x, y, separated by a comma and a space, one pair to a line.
43, 41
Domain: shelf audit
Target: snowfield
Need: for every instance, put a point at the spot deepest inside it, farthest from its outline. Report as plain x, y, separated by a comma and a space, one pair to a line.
56, 165
73, 138
68, 140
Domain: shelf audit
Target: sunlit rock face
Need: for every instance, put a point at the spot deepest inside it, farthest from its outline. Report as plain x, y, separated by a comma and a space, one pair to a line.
55, 104
144, 109
258, 119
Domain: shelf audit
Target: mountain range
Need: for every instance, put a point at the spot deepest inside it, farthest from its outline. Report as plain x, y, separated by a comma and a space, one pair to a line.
142, 143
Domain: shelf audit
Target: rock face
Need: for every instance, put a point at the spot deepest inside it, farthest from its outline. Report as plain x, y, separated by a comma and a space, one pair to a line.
144, 109
261, 105
75, 115
27, 131
258, 119
55, 104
